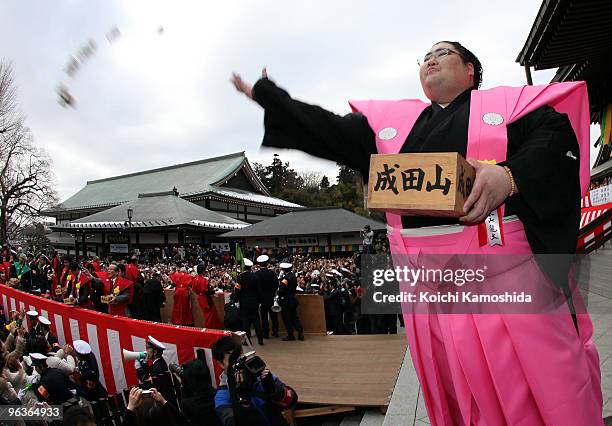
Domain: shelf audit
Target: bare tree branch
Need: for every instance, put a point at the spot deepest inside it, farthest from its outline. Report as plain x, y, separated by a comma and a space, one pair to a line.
26, 179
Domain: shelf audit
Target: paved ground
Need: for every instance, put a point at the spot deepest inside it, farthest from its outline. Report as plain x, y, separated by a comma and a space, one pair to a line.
599, 300
406, 406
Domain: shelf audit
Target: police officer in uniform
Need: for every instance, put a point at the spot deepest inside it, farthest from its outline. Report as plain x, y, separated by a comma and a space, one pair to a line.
45, 331
268, 284
247, 291
34, 326
88, 383
288, 302
53, 385
156, 374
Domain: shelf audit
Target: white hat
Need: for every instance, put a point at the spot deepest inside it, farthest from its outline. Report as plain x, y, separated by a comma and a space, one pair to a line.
155, 343
32, 313
315, 273
263, 258
248, 262
81, 347
37, 358
286, 265
44, 320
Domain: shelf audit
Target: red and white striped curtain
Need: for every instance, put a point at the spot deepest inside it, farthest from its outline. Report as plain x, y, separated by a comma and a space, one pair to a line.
108, 335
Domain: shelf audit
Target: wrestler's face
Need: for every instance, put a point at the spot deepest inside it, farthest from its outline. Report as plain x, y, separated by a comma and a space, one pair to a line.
445, 77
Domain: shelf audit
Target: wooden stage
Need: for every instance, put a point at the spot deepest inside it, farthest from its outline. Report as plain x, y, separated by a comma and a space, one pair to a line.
354, 371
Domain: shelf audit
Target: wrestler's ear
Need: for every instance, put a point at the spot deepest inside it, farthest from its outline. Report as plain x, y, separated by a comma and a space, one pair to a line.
470, 67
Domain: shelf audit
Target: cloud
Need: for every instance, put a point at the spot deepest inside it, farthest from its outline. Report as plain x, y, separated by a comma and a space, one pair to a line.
149, 99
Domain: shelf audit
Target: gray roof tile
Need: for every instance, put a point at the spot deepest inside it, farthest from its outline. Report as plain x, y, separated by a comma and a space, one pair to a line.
326, 220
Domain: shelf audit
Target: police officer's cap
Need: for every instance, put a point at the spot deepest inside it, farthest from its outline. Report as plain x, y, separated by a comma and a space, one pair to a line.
263, 258
32, 313
248, 262
38, 359
155, 344
81, 347
286, 265
44, 320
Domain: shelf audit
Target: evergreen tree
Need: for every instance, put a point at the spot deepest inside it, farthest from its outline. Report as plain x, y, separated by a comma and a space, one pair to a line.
324, 183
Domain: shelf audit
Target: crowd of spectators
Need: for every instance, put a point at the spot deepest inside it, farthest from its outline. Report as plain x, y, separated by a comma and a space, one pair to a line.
134, 286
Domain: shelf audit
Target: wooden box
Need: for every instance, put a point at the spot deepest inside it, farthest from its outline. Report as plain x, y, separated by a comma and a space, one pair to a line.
425, 184
106, 299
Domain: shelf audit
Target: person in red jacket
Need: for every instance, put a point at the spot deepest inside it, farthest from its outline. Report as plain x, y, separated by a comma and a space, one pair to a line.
205, 293
96, 264
120, 289
5, 261
59, 279
131, 269
181, 312
3, 274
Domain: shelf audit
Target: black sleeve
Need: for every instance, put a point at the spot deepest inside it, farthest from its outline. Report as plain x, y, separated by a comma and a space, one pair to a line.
293, 124
129, 418
174, 413
162, 294
540, 150
84, 294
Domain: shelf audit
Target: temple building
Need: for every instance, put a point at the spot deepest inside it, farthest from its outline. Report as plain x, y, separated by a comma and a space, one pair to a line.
190, 203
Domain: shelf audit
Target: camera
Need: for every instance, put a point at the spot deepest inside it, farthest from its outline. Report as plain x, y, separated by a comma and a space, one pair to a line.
249, 366
176, 369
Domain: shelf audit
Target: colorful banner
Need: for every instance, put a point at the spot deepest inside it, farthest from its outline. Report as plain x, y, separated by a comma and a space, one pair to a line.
324, 249
108, 335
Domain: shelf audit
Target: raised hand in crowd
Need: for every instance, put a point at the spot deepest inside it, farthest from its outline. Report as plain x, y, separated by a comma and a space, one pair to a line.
134, 400
157, 396
68, 350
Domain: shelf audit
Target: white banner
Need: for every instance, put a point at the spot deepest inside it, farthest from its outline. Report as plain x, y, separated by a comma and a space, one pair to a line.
601, 195
119, 248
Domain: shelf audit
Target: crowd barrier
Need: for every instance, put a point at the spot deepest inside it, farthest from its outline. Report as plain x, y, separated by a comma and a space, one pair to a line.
108, 334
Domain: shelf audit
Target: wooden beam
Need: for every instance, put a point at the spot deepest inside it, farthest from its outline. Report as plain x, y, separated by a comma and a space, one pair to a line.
528, 75
323, 411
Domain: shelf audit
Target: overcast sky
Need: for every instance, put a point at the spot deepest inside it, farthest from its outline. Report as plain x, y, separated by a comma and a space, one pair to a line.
152, 99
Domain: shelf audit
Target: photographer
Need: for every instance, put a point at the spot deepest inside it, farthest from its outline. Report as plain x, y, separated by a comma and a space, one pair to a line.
249, 394
150, 408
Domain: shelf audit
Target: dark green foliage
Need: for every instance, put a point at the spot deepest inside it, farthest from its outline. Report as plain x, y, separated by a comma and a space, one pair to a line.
311, 189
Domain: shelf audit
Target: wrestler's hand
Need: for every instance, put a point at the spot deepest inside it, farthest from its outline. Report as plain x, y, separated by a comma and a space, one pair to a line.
491, 187
244, 87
